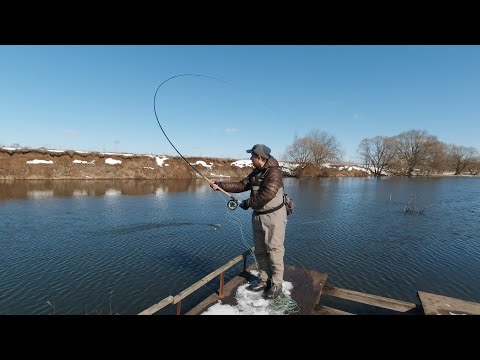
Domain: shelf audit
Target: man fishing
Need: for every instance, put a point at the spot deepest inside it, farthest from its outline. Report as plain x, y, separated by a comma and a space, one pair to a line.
269, 217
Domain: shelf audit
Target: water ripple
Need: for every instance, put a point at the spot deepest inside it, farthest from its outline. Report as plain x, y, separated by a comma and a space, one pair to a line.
91, 254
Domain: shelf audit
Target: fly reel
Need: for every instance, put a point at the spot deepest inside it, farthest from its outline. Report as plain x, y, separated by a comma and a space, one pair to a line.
232, 204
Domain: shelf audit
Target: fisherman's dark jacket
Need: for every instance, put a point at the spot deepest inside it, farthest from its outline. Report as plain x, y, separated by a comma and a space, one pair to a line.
264, 185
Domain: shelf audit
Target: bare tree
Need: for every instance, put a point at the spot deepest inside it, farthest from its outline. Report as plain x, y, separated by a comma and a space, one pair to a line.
462, 157
298, 151
377, 153
316, 148
474, 169
412, 148
436, 158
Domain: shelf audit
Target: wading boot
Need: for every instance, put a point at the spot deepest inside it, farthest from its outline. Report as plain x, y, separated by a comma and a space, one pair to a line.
260, 285
274, 292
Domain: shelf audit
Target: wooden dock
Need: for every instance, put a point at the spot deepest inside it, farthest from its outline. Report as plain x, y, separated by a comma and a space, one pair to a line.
309, 287
443, 305
306, 291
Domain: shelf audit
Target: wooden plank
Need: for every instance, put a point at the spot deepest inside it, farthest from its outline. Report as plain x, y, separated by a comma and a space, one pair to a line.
160, 305
443, 305
374, 300
307, 287
325, 310
229, 292
182, 295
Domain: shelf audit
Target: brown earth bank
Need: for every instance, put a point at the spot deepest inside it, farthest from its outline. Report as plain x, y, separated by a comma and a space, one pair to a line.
35, 164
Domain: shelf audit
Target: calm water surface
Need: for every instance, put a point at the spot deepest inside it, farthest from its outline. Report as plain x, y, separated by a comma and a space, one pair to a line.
118, 247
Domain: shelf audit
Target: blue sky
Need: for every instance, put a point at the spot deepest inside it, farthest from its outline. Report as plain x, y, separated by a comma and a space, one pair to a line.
100, 98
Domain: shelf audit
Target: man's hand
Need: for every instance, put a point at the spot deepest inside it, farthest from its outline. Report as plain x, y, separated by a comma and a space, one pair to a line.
244, 205
214, 185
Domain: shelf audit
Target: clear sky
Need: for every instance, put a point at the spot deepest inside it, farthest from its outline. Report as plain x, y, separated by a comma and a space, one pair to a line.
100, 98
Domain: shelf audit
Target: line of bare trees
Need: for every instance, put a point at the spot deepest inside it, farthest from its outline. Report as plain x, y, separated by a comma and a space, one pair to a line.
411, 152
417, 152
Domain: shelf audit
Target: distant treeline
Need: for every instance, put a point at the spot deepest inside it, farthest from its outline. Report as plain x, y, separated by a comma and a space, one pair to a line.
410, 152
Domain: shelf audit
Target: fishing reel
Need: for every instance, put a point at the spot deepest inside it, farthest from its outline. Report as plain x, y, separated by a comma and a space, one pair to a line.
232, 204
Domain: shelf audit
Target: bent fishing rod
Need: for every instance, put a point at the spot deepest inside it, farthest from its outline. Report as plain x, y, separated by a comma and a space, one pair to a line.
232, 203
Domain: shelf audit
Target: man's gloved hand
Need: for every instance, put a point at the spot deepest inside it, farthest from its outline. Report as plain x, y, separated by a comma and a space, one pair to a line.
244, 205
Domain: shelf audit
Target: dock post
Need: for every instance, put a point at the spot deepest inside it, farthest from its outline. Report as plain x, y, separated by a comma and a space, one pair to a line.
222, 283
179, 308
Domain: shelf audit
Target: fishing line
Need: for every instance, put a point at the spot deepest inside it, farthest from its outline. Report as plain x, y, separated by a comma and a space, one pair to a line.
233, 203
158, 121
285, 305
232, 218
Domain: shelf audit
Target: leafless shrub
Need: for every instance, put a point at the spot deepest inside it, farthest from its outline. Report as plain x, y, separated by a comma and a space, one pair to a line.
411, 207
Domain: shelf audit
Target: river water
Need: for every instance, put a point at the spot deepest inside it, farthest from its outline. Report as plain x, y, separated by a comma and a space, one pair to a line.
118, 247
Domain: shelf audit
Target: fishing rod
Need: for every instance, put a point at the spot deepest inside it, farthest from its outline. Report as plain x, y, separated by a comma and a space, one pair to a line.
232, 204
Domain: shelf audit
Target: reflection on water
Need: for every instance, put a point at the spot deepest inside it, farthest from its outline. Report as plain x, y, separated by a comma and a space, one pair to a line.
23, 189
85, 246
